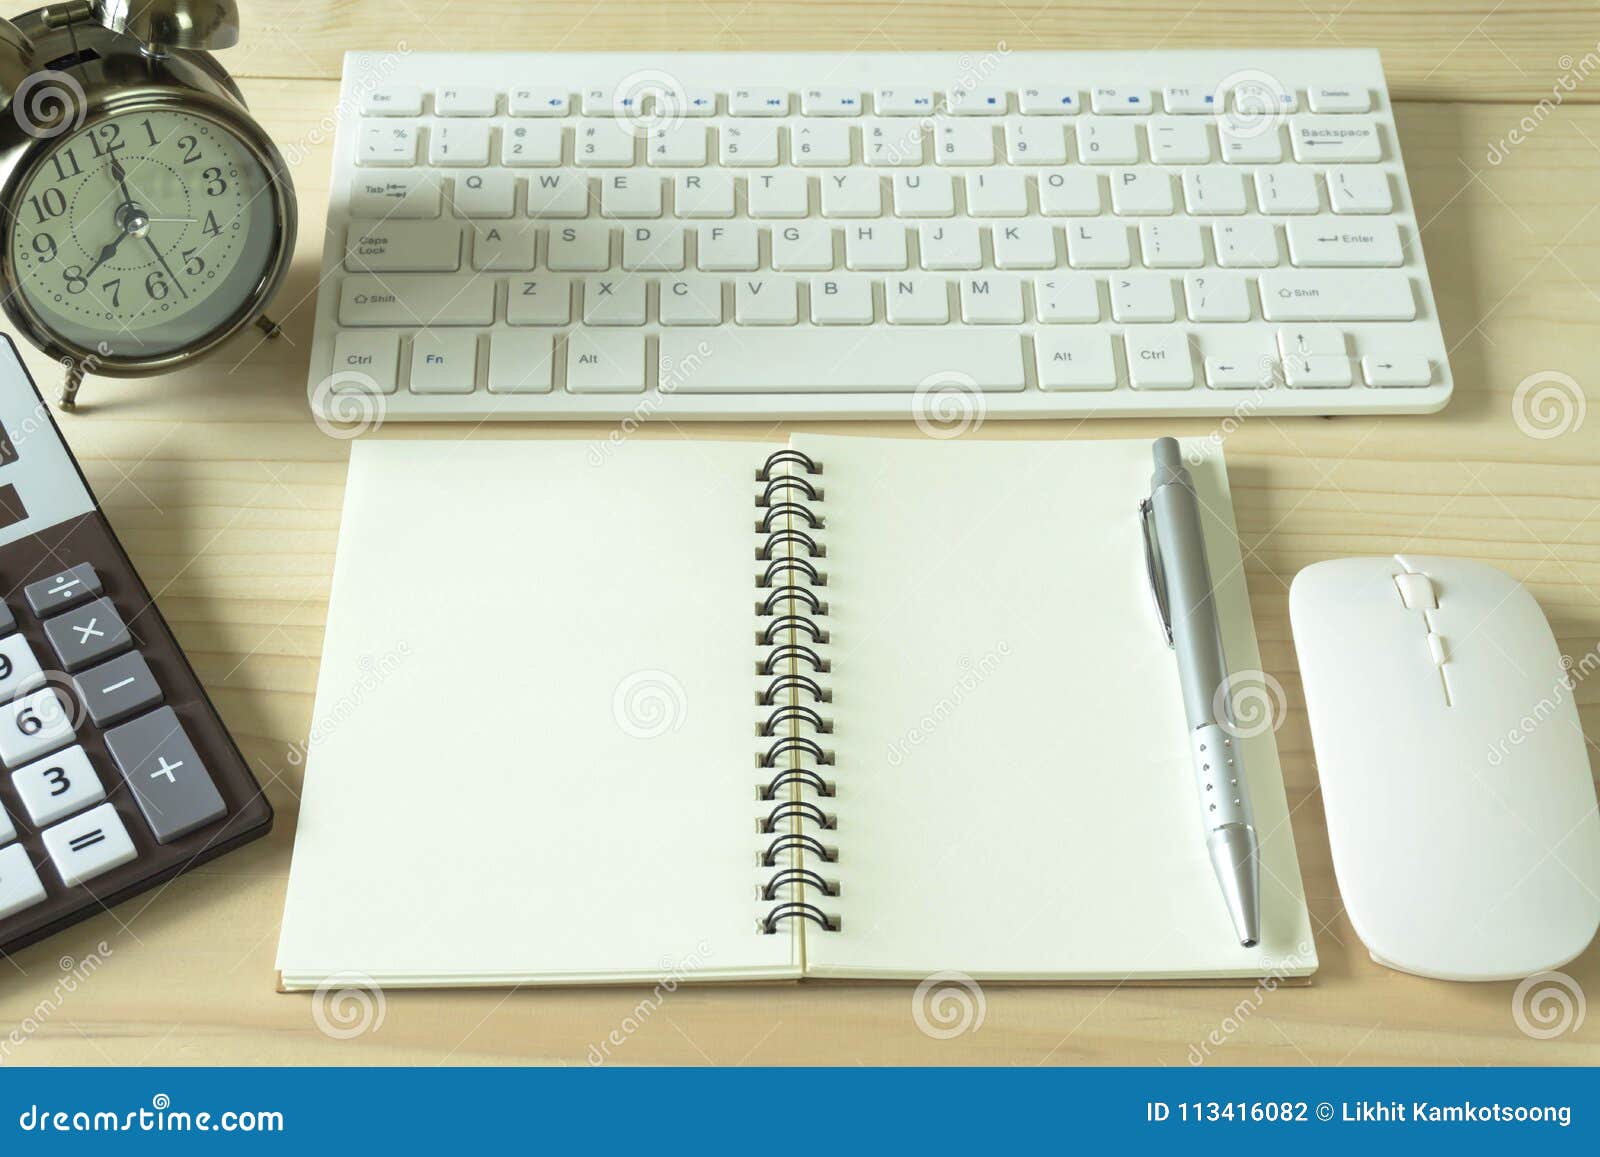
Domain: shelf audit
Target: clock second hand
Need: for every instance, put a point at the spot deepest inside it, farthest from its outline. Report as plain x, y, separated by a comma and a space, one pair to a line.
148, 240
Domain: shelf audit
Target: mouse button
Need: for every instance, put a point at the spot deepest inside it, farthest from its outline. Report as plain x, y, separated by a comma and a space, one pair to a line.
1416, 592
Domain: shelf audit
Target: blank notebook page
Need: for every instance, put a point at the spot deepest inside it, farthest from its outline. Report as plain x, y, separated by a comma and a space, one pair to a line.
531, 755
1015, 793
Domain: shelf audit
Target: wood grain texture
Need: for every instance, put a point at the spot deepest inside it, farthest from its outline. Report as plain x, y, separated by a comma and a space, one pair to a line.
228, 498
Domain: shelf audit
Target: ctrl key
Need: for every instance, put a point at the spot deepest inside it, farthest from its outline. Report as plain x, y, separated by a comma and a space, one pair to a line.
170, 784
87, 845
19, 883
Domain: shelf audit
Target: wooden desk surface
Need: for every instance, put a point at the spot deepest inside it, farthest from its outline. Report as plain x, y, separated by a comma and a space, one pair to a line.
228, 498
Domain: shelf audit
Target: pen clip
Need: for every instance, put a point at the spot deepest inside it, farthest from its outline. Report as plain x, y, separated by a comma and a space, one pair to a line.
1152, 566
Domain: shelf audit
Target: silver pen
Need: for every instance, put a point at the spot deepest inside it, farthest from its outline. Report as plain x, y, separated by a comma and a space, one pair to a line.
1175, 556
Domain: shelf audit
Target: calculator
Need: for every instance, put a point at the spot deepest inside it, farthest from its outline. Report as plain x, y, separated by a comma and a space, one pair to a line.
117, 772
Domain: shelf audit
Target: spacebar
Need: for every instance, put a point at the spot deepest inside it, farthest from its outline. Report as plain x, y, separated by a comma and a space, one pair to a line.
805, 360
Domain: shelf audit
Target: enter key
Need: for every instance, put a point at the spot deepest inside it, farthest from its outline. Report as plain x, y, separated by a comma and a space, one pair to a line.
1339, 242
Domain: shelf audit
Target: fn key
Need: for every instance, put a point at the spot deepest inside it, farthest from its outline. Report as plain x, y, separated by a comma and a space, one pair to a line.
171, 785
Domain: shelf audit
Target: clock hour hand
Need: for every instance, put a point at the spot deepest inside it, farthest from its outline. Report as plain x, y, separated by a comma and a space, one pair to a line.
106, 253
162, 258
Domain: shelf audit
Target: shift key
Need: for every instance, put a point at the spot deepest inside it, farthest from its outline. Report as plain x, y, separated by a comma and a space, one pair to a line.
416, 300
169, 783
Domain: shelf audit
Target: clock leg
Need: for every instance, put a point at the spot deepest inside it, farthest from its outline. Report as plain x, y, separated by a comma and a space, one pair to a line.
69, 387
267, 326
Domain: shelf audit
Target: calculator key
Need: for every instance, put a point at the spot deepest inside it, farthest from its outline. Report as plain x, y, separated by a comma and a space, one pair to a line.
87, 635
58, 785
85, 846
19, 669
117, 689
171, 785
8, 621
8, 830
60, 591
19, 884
36, 724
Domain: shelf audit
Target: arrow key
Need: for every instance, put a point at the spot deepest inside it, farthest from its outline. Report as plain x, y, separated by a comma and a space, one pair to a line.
1397, 370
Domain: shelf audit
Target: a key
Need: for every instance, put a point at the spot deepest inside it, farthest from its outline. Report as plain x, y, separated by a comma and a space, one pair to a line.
803, 245
1250, 144
903, 102
1287, 189
1071, 192
1171, 244
170, 784
1335, 140
963, 143
1217, 297
923, 194
558, 195
1188, 100
521, 363
1214, 191
950, 245
1075, 360
459, 143
1035, 142
1179, 141
880, 245
691, 301
605, 362
1316, 371
702, 195
1098, 244
1120, 101
1066, 298
444, 363
748, 143
1337, 295
1024, 245
464, 101
614, 301
781, 194
365, 363
731, 248
117, 689
1359, 189
841, 301
414, 246
409, 299
1048, 100
20, 886
765, 301
882, 360
34, 724
978, 100
508, 246
997, 193
991, 299
57, 786
851, 193
580, 247
1246, 244
405, 100
393, 195
677, 146
538, 100
1335, 241
893, 143
1386, 370
485, 193
541, 300
831, 101
820, 143
64, 589
1141, 192
88, 845
763, 101
632, 194
602, 142
1339, 98
653, 247
87, 634
1158, 359
1138, 297
531, 143
387, 144
1107, 142
916, 301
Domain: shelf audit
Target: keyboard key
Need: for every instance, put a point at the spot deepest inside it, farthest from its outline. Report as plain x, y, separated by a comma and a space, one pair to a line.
1251, 144
731, 248
117, 689
631, 195
1024, 245
8, 832
880, 245
1339, 98
1214, 191
169, 782
991, 299
444, 363
469, 100
531, 143
1069, 192
923, 194
701, 195
916, 301
950, 245
364, 362
87, 845
1048, 101
691, 301
782, 194
416, 246
1175, 141
821, 143
559, 195
1396, 370
405, 100
1358, 189
777, 361
748, 144
606, 362
903, 102
34, 725
1115, 101
1075, 360
893, 143
1171, 244
1335, 139
409, 299
1249, 243
1098, 244
8, 621
1287, 189
1337, 295
20, 887
1107, 142
1035, 142
1217, 297
677, 146
614, 301
1159, 359
851, 194
395, 195
836, 301
1066, 299
1332, 241
459, 144
387, 144
654, 247
65, 589
521, 363
963, 143
1187, 100
802, 245
997, 193
758, 102
1232, 373
508, 246
831, 102
543, 300
1316, 371
88, 634
604, 142
1142, 298
765, 301
538, 100
485, 193
57, 786
1141, 192
979, 100
584, 247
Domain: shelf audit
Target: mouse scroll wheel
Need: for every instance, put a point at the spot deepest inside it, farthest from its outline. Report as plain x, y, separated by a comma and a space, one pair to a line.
1416, 592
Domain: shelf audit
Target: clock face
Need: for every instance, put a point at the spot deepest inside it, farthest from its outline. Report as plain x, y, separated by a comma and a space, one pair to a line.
143, 233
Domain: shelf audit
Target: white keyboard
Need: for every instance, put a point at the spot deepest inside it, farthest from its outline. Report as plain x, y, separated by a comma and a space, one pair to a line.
733, 235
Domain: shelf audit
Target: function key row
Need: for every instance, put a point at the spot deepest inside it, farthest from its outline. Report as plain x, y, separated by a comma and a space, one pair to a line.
662, 99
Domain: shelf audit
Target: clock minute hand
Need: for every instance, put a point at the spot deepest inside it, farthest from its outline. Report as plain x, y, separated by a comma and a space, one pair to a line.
122, 179
148, 240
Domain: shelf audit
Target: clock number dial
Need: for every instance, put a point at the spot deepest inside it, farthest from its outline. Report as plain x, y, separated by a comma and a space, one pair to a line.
144, 233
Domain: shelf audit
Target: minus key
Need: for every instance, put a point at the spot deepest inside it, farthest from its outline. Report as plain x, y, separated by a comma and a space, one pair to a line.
117, 689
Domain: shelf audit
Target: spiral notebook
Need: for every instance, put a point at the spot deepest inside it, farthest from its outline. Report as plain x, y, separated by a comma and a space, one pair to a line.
630, 710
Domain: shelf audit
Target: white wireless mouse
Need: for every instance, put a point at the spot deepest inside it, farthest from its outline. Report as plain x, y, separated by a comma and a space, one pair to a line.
1461, 810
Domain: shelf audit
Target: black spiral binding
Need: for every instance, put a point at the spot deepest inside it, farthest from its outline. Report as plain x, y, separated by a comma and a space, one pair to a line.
792, 724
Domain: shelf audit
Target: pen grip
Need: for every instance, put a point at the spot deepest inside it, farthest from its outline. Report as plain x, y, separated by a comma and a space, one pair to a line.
1224, 795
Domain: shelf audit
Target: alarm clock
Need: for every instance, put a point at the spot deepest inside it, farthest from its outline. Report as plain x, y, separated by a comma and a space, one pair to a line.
147, 216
